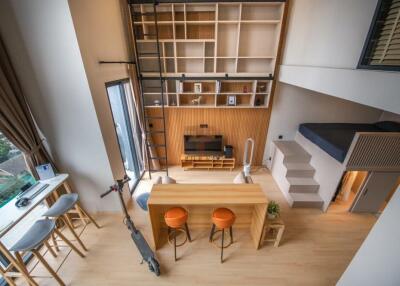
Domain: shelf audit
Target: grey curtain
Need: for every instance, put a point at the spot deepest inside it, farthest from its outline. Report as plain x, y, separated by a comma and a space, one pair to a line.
16, 121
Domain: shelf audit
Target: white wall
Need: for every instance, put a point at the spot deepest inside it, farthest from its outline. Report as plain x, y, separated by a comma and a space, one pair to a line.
323, 45
293, 105
41, 39
377, 260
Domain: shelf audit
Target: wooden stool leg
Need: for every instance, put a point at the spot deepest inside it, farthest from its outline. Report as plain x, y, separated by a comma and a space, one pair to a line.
175, 243
212, 232
50, 249
45, 264
187, 232
231, 234
71, 228
68, 242
9, 280
53, 238
24, 269
222, 246
88, 216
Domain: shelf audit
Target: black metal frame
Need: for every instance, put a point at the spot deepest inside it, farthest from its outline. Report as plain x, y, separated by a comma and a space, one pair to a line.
226, 77
160, 78
362, 63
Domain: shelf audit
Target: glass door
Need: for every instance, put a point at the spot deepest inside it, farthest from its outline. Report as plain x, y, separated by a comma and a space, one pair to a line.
127, 128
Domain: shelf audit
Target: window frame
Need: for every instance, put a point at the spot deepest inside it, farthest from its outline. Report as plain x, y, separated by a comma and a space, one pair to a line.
120, 83
367, 43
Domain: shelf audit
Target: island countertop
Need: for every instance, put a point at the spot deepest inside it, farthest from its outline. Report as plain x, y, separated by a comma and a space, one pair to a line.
248, 201
207, 194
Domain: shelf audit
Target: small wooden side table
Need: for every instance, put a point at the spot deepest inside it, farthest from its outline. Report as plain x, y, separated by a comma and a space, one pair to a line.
273, 231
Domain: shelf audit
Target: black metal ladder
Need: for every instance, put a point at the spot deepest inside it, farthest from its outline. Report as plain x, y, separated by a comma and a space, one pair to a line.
151, 49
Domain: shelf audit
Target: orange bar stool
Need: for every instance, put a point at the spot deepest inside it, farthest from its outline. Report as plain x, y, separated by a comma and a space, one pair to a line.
223, 219
176, 220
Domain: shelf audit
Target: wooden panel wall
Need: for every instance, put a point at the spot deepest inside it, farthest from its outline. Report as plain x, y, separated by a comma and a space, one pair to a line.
236, 125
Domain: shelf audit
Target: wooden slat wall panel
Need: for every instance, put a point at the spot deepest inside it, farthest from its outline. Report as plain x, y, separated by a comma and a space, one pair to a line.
236, 125
374, 152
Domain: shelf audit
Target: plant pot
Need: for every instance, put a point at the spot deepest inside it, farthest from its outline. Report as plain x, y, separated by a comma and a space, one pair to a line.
272, 216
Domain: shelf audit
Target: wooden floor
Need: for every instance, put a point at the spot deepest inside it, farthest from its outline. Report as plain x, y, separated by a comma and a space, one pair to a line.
315, 250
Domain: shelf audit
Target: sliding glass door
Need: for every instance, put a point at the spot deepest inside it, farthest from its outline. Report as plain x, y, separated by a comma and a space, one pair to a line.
126, 127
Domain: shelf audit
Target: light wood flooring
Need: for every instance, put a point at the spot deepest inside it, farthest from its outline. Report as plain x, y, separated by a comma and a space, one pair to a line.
315, 250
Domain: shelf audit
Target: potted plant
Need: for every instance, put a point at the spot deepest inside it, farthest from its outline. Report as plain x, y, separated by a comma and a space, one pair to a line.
273, 210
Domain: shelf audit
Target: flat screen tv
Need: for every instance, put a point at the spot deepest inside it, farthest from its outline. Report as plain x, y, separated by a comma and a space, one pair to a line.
203, 144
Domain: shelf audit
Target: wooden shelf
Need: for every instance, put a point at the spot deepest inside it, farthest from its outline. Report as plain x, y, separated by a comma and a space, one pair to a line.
207, 162
213, 38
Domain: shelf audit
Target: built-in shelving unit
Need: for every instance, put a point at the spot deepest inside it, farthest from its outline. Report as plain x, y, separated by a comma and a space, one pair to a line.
214, 93
212, 38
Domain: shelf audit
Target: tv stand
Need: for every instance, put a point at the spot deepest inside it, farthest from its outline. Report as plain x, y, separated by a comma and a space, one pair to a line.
206, 162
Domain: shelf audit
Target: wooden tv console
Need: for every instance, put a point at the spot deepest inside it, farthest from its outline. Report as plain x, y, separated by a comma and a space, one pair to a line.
207, 162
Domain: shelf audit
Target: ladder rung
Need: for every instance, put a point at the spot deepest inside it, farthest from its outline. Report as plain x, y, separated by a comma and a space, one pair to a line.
148, 54
156, 145
144, 14
154, 117
161, 170
158, 158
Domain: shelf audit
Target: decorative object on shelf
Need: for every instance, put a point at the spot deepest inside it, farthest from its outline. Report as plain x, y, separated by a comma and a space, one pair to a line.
258, 102
173, 102
218, 86
231, 100
179, 86
273, 210
262, 88
197, 100
197, 87
245, 89
157, 102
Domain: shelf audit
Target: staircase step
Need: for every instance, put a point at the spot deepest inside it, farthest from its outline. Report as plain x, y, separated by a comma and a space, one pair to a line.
293, 152
294, 169
302, 185
306, 200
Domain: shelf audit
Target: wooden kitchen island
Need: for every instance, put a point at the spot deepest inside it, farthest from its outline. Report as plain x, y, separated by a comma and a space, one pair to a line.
247, 201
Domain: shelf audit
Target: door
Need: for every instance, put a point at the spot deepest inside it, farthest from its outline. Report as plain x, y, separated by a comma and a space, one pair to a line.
374, 191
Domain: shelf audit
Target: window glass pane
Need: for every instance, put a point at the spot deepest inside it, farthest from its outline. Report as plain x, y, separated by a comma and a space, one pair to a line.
14, 173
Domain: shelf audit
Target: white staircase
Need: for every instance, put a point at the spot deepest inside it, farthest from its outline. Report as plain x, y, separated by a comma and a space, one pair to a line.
294, 175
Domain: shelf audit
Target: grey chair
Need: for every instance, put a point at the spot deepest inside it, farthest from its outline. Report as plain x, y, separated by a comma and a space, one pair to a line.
38, 235
59, 211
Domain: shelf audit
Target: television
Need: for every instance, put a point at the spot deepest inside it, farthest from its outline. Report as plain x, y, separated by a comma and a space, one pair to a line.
203, 144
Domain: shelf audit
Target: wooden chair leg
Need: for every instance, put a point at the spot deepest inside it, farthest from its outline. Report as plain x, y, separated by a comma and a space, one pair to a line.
53, 238
45, 264
68, 242
21, 268
71, 228
50, 249
8, 279
88, 215
24, 271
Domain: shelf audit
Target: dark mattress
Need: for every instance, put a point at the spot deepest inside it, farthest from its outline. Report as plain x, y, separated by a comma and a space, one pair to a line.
335, 138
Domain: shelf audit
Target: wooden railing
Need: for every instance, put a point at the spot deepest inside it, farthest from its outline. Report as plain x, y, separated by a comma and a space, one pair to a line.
374, 151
